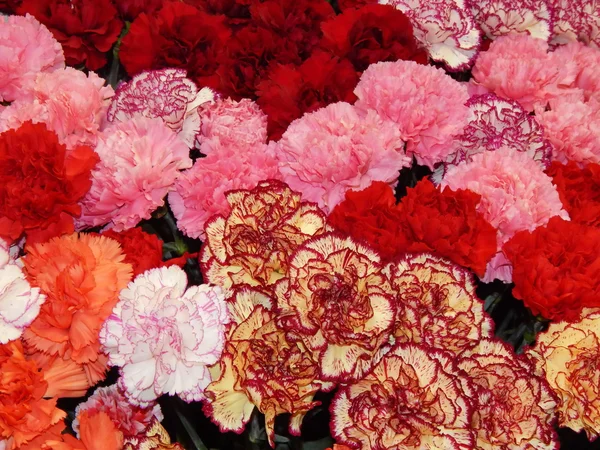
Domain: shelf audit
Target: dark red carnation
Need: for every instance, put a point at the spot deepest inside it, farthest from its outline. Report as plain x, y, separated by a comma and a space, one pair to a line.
9, 6
236, 11
556, 268
177, 35
86, 29
371, 34
445, 223
290, 91
130, 9
41, 183
249, 54
347, 4
579, 190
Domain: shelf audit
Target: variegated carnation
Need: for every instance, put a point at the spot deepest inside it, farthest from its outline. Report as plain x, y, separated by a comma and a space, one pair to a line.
415, 398
437, 304
130, 419
155, 438
253, 243
165, 94
576, 20
261, 367
568, 356
500, 17
445, 28
494, 123
164, 337
337, 299
514, 409
19, 302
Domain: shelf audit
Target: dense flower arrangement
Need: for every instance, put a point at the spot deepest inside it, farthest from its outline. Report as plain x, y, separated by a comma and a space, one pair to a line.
235, 221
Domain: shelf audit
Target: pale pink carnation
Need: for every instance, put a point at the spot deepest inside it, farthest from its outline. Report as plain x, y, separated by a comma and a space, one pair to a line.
199, 192
230, 123
166, 94
427, 106
587, 61
69, 102
139, 163
519, 67
26, 48
573, 128
19, 302
335, 149
164, 337
516, 194
130, 419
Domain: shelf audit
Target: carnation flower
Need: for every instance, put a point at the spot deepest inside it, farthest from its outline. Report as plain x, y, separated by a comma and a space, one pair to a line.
556, 268
130, 9
142, 250
585, 59
567, 355
232, 124
513, 408
445, 28
573, 128
437, 304
515, 194
69, 102
576, 20
172, 38
496, 123
519, 67
501, 17
414, 398
41, 183
86, 29
337, 299
81, 276
164, 94
579, 190
370, 34
164, 337
261, 367
335, 149
200, 191
288, 91
253, 243
19, 302
427, 106
139, 163
131, 420
24, 413
27, 48
155, 438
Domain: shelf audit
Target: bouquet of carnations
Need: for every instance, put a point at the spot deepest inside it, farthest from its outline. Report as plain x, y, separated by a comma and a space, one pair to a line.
299, 224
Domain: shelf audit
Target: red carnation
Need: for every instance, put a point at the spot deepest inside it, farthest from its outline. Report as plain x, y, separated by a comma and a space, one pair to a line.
9, 6
237, 11
556, 268
347, 4
290, 91
86, 29
371, 34
579, 190
142, 250
41, 183
130, 9
177, 35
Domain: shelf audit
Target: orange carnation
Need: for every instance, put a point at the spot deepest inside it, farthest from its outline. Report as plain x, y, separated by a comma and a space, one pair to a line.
568, 356
81, 276
24, 414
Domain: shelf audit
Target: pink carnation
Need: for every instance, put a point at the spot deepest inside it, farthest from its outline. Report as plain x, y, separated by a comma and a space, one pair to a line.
69, 102
19, 302
200, 191
573, 128
131, 420
166, 94
334, 149
576, 20
230, 123
516, 194
26, 48
519, 67
139, 163
500, 17
164, 337
426, 104
587, 61
446, 28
